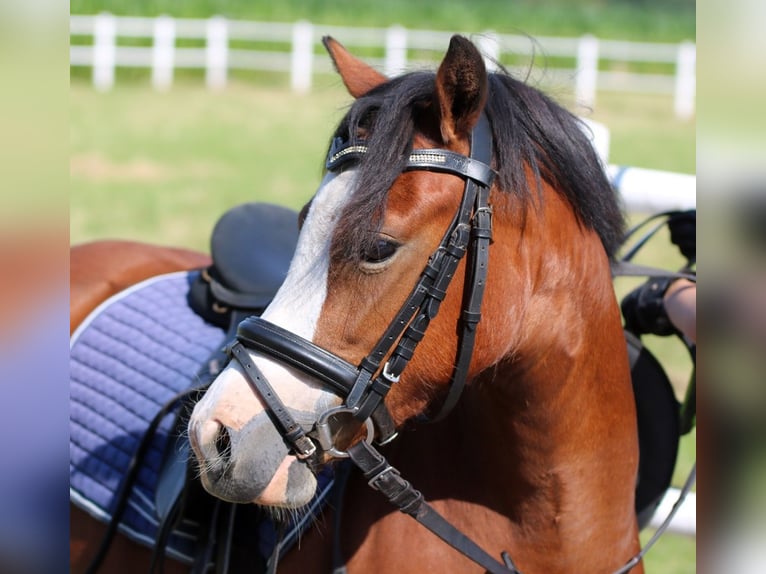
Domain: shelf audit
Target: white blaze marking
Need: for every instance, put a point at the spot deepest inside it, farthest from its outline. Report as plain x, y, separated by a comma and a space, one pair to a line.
296, 307
230, 401
298, 302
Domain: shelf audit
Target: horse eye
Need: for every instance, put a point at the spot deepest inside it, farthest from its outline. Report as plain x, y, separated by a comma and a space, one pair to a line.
380, 250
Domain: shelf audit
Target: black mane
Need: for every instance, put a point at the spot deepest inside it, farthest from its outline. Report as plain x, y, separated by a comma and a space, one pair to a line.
530, 131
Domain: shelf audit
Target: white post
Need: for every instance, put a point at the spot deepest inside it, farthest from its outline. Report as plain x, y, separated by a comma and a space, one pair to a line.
489, 46
302, 59
104, 51
587, 71
599, 137
396, 51
162, 52
686, 80
216, 53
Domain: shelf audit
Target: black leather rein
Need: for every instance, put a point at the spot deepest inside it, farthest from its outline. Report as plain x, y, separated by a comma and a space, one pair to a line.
364, 387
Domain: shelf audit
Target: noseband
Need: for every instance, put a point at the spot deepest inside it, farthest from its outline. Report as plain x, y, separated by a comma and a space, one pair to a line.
364, 387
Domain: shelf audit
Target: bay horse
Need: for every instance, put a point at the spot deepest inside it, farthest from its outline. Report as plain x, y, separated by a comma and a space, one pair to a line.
538, 457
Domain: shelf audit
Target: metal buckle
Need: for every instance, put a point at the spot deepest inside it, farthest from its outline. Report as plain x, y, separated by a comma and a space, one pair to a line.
490, 214
373, 482
388, 375
304, 450
324, 432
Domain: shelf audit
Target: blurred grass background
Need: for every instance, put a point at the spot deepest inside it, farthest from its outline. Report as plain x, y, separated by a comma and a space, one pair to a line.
162, 167
643, 20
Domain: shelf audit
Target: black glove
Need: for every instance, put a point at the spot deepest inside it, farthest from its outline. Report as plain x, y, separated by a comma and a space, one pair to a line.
683, 233
644, 309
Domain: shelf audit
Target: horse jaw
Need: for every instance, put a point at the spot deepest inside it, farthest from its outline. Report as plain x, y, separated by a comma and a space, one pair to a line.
242, 456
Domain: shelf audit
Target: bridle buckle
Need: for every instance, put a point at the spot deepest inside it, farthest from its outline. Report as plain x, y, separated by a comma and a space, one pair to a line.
304, 448
388, 375
324, 432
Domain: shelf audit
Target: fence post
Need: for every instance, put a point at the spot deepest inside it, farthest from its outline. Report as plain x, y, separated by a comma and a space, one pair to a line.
396, 51
489, 46
686, 80
302, 60
216, 53
104, 51
162, 52
587, 71
599, 137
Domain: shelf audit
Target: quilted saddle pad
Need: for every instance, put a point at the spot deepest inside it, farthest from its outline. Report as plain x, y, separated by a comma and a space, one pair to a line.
131, 355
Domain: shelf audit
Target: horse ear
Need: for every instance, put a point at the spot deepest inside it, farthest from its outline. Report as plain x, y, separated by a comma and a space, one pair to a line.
358, 76
461, 89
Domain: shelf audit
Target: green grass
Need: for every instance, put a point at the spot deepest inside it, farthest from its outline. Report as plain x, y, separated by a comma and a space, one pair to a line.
650, 20
162, 167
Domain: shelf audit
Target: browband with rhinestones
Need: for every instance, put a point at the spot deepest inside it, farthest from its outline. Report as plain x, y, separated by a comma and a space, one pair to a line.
430, 159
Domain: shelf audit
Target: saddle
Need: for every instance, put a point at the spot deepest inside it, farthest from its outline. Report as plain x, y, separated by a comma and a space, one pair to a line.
251, 247
659, 428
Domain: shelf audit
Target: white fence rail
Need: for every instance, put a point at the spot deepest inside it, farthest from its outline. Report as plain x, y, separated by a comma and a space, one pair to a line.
596, 64
685, 520
642, 190
651, 191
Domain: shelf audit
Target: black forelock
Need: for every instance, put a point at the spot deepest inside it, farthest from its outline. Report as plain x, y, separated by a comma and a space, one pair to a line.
530, 131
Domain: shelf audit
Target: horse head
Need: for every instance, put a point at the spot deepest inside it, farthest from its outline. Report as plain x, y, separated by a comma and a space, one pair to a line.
406, 189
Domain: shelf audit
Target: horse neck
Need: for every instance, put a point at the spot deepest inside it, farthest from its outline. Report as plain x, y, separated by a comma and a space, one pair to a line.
565, 363
547, 433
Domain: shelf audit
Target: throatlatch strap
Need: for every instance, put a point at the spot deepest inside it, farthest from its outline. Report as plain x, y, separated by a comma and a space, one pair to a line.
386, 479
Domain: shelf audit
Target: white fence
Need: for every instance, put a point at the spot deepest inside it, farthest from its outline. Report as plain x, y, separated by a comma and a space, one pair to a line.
595, 64
685, 520
642, 190
651, 191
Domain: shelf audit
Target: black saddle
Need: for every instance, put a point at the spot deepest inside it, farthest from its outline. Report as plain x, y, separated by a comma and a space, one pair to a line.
251, 246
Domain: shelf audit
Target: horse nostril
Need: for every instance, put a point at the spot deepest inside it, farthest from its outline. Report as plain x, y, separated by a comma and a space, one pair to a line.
213, 444
223, 442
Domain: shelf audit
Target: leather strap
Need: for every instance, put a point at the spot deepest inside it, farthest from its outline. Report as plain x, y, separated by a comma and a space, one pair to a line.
475, 167
270, 339
274, 341
431, 289
386, 479
482, 236
292, 432
131, 476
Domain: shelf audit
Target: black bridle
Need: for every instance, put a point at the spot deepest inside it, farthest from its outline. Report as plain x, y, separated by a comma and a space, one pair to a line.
364, 387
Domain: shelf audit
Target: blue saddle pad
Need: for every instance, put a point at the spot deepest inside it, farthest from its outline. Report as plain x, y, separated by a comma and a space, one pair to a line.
128, 358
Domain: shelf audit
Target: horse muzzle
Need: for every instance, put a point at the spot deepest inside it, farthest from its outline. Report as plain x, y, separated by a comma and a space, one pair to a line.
246, 463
